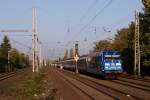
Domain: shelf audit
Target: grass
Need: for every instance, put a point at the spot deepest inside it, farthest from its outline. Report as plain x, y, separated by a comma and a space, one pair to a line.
36, 88
31, 88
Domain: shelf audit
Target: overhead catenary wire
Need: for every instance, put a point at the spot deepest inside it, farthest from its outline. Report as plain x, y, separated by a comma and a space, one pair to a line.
21, 44
94, 17
28, 35
89, 9
118, 22
92, 5
17, 42
90, 21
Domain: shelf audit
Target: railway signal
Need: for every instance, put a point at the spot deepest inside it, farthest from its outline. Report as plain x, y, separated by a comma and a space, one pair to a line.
76, 58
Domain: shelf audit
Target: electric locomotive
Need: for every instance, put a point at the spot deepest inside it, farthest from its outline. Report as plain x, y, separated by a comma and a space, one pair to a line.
105, 63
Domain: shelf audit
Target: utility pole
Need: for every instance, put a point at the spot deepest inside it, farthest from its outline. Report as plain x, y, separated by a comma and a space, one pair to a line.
35, 56
136, 46
33, 39
40, 54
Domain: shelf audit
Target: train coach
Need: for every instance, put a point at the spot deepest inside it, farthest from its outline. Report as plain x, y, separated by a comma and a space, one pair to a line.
105, 63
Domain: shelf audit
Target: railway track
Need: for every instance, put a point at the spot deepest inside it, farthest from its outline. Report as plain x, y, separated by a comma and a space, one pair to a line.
6, 76
66, 79
133, 92
115, 94
10, 74
134, 83
135, 78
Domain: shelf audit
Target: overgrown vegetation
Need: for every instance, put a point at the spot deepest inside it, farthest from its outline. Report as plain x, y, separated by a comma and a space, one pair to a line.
31, 88
11, 58
36, 88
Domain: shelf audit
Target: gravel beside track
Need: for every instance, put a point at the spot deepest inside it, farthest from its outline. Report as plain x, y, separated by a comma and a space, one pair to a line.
115, 94
65, 90
126, 90
92, 92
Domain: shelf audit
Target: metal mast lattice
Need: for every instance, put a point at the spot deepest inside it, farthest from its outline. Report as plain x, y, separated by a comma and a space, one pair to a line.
136, 46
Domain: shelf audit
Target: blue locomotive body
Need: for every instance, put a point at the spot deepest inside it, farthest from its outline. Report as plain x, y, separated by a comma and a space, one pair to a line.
105, 63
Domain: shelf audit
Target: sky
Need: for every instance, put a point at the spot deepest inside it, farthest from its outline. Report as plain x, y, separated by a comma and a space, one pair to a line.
63, 22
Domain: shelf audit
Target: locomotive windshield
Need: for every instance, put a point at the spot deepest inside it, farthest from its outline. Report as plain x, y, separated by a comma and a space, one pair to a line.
114, 59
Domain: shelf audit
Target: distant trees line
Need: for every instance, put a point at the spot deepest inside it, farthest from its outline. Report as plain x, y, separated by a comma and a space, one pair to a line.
11, 58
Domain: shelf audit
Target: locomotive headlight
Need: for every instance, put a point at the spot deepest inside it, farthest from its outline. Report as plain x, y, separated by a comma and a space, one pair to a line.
118, 64
107, 65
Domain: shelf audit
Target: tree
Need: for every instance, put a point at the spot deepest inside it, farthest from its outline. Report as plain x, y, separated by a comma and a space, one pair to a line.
145, 38
124, 42
5, 47
146, 4
102, 45
18, 60
22, 60
14, 58
121, 39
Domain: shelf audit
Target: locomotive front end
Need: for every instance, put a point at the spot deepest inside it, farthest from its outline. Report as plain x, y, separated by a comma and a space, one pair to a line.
112, 63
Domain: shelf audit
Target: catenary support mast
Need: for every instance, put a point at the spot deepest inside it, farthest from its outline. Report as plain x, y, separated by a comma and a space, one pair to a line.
35, 48
136, 46
35, 51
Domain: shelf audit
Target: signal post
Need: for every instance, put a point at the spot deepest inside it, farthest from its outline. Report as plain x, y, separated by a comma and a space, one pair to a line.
76, 58
76, 66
